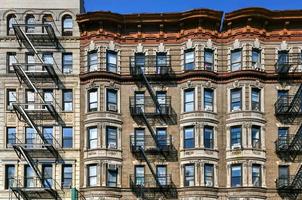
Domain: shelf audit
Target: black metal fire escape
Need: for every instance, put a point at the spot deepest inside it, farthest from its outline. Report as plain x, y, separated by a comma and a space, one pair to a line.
287, 109
152, 112
39, 37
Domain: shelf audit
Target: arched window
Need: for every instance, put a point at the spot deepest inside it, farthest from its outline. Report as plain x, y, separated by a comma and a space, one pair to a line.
30, 21
11, 19
47, 19
67, 25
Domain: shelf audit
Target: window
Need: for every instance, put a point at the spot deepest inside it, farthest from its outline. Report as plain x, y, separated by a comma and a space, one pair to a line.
209, 59
30, 99
235, 137
48, 96
189, 176
139, 138
283, 138
256, 140
92, 137
66, 176
29, 177
189, 59
283, 58
139, 175
30, 136
11, 136
67, 63
67, 100
282, 93
161, 174
139, 102
256, 58
208, 137
189, 137
48, 134
161, 137
189, 100
236, 175
256, 175
236, 60
162, 63
48, 58
209, 175
283, 179
47, 20
111, 135
30, 24
112, 173
11, 98
112, 61
92, 175
236, 99
256, 103
47, 175
67, 25
140, 62
161, 97
30, 62
11, 60
11, 20
67, 137
92, 100
111, 100
9, 176
92, 61
208, 100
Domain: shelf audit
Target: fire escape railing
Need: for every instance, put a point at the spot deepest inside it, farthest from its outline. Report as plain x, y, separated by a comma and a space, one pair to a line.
287, 109
35, 38
152, 108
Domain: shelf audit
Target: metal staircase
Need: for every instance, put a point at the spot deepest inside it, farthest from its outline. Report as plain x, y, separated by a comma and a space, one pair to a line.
149, 114
287, 109
38, 113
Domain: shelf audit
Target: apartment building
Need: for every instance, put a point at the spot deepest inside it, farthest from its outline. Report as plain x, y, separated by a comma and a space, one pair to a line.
189, 106
40, 99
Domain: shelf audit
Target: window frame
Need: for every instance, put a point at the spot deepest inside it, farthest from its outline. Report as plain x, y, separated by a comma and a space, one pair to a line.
91, 140
9, 102
67, 31
9, 179
27, 20
64, 138
90, 176
186, 103
256, 63
108, 103
89, 107
239, 63
65, 177
67, 102
9, 24
111, 140
208, 101
233, 102
9, 140
108, 181
236, 177
234, 140
208, 65
211, 140
190, 139
188, 179
92, 63
9, 65
211, 177
67, 66
256, 142
255, 103
189, 65
259, 176
109, 65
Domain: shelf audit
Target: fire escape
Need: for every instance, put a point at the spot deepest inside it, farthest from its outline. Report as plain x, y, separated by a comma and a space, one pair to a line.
149, 111
43, 149
287, 109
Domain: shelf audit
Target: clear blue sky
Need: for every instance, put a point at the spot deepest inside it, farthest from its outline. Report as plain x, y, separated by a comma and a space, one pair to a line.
143, 6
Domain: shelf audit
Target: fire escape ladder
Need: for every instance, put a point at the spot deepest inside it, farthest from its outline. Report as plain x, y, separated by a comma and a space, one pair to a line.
297, 181
295, 104
150, 166
296, 144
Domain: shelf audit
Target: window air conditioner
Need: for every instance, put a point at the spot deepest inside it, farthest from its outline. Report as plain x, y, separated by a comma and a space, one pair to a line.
209, 108
10, 107
112, 107
236, 146
111, 146
209, 183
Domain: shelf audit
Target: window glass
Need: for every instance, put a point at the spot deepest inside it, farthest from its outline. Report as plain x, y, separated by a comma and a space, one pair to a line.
208, 137
235, 137
47, 175
139, 175
189, 138
93, 137
67, 100
235, 99
236, 175
209, 59
93, 100
112, 178
189, 59
67, 176
12, 98
111, 100
189, 175
139, 138
29, 177
67, 63
189, 98
208, 99
111, 133
92, 61
67, 137
209, 175
111, 61
256, 142
92, 175
256, 99
256, 58
9, 176
11, 135
161, 173
236, 60
48, 134
256, 175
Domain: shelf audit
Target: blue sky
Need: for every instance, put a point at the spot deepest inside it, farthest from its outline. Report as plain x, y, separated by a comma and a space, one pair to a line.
143, 6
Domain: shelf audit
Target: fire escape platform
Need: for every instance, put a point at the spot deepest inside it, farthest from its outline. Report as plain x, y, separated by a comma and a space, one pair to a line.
29, 193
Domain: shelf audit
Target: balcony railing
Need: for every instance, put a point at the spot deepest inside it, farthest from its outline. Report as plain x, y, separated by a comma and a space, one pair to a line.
147, 143
288, 63
148, 181
151, 64
148, 108
288, 104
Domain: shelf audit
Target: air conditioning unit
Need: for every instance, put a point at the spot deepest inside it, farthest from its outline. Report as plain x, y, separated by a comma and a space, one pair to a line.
209, 183
236, 109
209, 108
111, 146
236, 146
112, 166
10, 107
68, 71
112, 107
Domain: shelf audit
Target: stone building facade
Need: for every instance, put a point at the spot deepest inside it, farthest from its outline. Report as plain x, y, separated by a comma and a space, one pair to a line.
192, 106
